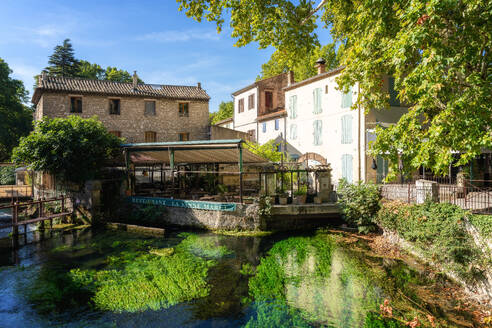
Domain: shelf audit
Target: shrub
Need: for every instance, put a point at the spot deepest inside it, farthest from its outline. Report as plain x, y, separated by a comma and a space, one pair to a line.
7, 175
438, 231
360, 204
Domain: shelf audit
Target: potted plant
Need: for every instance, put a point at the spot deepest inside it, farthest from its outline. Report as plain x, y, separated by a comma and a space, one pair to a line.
283, 198
300, 195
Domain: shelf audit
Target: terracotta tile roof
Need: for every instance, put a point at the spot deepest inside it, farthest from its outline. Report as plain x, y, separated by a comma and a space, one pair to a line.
269, 116
314, 78
86, 86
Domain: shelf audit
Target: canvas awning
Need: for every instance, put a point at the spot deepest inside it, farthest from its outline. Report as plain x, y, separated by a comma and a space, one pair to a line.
191, 152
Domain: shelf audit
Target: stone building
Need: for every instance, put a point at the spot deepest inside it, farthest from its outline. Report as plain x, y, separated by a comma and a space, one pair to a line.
136, 112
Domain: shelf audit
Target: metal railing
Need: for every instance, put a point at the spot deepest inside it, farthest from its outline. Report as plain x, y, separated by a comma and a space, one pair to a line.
469, 197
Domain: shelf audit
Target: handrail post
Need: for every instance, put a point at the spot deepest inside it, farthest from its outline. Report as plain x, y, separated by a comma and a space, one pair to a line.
63, 203
240, 173
15, 218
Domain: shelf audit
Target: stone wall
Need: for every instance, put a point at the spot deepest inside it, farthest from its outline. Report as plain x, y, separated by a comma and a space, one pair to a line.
218, 133
132, 123
245, 217
276, 85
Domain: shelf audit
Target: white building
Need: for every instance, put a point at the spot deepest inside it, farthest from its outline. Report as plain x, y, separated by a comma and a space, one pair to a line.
322, 125
259, 109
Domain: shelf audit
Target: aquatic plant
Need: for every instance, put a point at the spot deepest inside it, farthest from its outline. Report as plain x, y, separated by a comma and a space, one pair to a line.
204, 246
133, 278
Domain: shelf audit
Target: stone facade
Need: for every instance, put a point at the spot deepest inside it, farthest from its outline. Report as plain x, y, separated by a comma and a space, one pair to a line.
132, 122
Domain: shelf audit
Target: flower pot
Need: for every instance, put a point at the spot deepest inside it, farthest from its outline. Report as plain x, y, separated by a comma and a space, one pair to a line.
317, 200
282, 200
301, 199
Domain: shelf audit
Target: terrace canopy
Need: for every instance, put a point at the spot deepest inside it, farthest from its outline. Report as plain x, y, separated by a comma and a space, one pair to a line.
191, 152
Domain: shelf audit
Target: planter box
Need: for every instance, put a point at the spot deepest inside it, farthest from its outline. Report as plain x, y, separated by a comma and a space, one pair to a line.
299, 200
282, 200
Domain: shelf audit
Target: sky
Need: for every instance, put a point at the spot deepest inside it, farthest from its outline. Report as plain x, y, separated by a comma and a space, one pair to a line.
151, 37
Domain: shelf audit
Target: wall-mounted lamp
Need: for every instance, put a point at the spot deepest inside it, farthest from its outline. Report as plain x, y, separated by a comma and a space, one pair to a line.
374, 166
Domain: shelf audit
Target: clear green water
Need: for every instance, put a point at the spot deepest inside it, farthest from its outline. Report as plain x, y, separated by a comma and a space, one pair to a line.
114, 279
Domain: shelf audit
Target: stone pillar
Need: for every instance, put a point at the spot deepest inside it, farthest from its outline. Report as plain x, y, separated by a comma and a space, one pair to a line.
427, 190
324, 186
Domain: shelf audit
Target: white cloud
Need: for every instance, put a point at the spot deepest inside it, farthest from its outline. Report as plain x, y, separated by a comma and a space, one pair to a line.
180, 36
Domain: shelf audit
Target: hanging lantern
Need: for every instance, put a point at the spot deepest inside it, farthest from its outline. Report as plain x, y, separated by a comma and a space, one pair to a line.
374, 166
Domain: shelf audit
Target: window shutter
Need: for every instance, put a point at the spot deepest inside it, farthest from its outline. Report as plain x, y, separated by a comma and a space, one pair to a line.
317, 101
347, 99
294, 107
317, 132
293, 131
347, 129
347, 167
393, 101
320, 109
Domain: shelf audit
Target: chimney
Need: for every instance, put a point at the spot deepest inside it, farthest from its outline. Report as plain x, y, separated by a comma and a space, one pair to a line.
290, 78
320, 65
41, 78
135, 80
199, 85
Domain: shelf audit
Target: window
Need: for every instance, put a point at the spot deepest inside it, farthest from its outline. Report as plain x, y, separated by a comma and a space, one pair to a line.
184, 136
268, 99
150, 136
347, 129
293, 106
318, 132
347, 99
317, 101
293, 131
183, 109
263, 127
75, 104
393, 101
114, 106
240, 105
116, 133
251, 101
326, 88
347, 167
278, 147
252, 135
149, 108
277, 124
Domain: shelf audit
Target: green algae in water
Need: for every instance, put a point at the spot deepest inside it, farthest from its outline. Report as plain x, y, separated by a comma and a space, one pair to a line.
132, 279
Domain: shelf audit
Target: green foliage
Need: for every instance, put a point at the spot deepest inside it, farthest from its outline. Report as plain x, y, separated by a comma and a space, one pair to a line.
374, 320
15, 117
62, 62
7, 175
438, 231
268, 150
438, 51
304, 66
264, 206
483, 223
360, 204
226, 110
73, 148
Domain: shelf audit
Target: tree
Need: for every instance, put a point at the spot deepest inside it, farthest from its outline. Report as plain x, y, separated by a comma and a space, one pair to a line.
15, 117
74, 149
91, 71
226, 110
304, 66
62, 62
268, 150
438, 52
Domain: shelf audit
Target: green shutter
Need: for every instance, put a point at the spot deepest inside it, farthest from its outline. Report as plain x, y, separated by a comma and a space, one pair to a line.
293, 131
393, 101
317, 109
347, 167
347, 129
318, 132
347, 99
294, 106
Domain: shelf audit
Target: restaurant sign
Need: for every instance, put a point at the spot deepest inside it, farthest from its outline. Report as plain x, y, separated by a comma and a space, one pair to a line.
200, 205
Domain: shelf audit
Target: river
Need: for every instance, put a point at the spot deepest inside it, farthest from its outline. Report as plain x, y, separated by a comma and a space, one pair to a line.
90, 278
